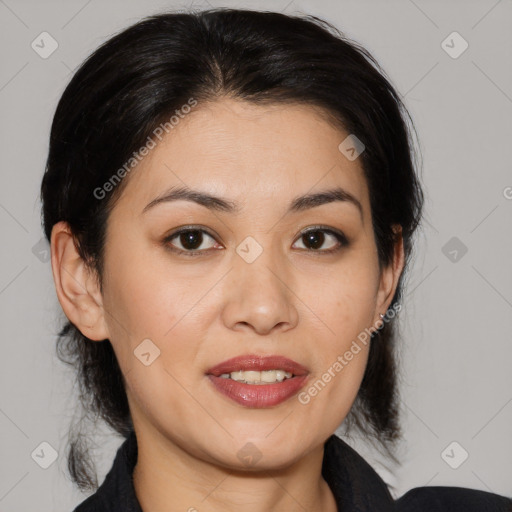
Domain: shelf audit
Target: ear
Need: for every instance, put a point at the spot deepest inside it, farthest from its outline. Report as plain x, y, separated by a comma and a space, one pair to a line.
390, 275
76, 285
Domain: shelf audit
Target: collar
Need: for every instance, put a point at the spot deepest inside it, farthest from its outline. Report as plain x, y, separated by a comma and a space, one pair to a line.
356, 486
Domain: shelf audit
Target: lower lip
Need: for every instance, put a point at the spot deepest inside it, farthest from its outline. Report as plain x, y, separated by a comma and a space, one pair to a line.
258, 395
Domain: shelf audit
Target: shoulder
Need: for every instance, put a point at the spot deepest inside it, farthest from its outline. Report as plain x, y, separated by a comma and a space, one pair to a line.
91, 504
99, 501
438, 499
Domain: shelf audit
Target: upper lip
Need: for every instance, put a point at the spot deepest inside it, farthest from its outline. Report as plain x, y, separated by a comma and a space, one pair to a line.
257, 363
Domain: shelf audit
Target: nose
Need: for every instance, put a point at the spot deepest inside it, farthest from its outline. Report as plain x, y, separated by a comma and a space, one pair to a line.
260, 297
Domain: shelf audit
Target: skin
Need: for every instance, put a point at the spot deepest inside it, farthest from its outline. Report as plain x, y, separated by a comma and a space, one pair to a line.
306, 305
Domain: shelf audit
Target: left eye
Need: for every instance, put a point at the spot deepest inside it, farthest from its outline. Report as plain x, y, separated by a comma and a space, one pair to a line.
316, 238
191, 240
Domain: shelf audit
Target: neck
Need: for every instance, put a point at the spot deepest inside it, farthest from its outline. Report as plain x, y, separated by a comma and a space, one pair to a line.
168, 478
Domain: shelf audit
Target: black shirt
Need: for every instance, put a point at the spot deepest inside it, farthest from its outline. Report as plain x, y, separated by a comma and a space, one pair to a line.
356, 486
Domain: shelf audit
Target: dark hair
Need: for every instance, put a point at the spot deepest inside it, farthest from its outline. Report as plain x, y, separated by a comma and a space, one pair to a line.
138, 78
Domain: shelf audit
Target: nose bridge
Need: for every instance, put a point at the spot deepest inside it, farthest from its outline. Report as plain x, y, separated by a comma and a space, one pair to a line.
260, 269
261, 279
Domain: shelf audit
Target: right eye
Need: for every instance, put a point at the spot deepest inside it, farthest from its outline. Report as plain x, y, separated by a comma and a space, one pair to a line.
190, 239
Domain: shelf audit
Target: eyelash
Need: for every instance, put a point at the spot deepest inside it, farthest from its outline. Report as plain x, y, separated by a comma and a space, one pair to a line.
340, 237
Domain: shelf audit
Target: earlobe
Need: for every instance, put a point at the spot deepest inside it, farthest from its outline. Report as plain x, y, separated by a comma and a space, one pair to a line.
391, 274
76, 285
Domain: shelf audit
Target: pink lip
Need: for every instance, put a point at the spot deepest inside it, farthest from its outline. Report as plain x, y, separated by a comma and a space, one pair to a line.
258, 395
255, 395
257, 363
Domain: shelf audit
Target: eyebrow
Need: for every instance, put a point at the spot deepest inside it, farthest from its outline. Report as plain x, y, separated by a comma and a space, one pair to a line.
299, 204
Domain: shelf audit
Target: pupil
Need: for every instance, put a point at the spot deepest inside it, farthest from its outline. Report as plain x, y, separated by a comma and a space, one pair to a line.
191, 238
315, 240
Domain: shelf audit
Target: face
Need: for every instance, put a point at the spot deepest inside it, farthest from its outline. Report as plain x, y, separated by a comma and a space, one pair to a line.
254, 276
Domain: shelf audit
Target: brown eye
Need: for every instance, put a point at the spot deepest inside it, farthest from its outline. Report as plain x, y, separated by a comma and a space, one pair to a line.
190, 241
314, 239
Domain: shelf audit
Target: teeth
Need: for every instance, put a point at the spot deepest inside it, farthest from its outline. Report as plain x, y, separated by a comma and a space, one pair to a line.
254, 377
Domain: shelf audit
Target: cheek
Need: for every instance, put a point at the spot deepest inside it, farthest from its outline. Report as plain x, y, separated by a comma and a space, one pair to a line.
150, 300
346, 308
144, 296
330, 395
345, 305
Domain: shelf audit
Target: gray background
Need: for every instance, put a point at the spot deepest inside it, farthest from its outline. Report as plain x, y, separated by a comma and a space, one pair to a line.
456, 350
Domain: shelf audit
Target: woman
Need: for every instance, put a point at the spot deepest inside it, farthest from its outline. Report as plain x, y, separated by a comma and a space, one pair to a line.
231, 198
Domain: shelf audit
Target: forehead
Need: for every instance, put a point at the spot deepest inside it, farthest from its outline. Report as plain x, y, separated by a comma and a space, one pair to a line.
255, 155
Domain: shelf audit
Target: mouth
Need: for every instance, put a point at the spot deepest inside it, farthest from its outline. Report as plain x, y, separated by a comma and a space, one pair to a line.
256, 381
259, 369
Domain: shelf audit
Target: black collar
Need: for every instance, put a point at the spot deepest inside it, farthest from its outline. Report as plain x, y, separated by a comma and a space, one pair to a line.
355, 484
